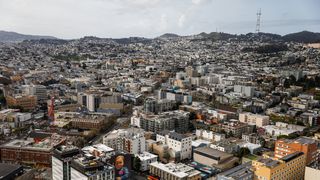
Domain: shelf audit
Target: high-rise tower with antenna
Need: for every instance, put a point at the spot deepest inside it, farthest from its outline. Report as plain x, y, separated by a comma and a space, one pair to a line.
258, 21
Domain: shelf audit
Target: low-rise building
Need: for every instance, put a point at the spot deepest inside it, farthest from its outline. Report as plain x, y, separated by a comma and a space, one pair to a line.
241, 172
172, 171
30, 152
236, 128
281, 128
23, 101
180, 143
146, 159
254, 119
214, 158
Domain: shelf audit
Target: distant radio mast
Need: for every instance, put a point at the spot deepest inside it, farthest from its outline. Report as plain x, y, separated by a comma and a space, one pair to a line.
258, 21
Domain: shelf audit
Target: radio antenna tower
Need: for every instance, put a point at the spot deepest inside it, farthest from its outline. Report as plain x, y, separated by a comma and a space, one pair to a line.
258, 21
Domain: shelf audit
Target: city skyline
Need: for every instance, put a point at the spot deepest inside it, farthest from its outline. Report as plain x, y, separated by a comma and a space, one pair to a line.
151, 18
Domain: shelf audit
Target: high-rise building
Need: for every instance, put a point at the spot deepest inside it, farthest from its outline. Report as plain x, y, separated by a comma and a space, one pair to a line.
308, 146
288, 167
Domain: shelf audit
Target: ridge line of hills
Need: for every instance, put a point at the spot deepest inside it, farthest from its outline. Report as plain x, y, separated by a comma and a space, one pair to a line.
301, 37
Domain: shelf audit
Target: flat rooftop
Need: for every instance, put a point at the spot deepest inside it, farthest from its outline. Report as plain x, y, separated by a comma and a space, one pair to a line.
146, 156
27, 144
212, 153
238, 172
7, 169
179, 170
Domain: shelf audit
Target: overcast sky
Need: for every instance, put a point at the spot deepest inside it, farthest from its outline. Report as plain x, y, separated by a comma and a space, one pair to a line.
151, 18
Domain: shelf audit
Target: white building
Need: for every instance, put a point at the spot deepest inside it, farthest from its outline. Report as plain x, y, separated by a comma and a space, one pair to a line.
179, 143
254, 119
61, 161
247, 91
283, 129
131, 140
85, 169
209, 135
39, 91
172, 171
146, 159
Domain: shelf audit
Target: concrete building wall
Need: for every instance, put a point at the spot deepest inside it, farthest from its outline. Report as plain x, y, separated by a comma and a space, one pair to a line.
312, 174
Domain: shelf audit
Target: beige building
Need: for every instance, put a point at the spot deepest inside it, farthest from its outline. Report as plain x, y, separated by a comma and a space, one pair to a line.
214, 158
172, 171
312, 174
26, 102
254, 119
290, 167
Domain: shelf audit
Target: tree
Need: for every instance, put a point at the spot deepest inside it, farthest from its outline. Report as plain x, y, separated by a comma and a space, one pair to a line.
286, 83
230, 134
262, 141
282, 137
244, 151
292, 79
136, 163
166, 156
84, 66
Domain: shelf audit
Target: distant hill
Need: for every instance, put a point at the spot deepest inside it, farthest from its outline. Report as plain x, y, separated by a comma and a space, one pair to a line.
169, 35
303, 37
6, 36
216, 35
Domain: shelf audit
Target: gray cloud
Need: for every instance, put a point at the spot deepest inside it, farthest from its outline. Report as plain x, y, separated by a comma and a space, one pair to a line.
150, 18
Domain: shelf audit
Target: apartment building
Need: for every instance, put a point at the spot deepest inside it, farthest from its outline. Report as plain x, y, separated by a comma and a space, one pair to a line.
254, 119
288, 167
180, 143
308, 146
131, 140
